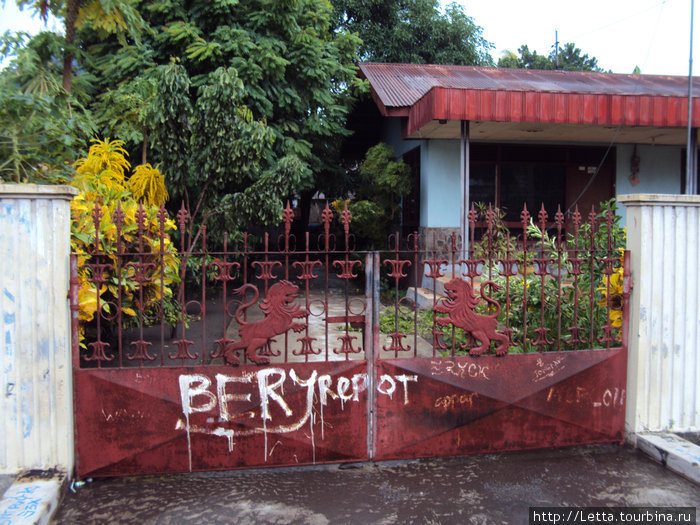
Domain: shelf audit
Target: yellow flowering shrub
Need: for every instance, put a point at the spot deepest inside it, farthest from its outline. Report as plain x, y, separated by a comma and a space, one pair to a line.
340, 204
102, 179
148, 184
611, 294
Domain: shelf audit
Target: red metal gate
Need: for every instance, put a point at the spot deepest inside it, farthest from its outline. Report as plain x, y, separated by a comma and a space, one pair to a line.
287, 355
542, 366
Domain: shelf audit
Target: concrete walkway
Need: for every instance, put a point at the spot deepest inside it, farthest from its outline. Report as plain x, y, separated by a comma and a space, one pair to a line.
484, 489
31, 497
679, 454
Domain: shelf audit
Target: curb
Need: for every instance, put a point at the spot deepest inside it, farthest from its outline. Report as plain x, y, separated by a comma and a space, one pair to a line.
33, 497
676, 453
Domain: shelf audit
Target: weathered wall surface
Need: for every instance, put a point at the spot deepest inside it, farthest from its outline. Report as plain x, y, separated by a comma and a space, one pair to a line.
659, 171
663, 235
36, 426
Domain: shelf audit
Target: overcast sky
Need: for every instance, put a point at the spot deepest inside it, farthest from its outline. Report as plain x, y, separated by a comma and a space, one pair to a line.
15, 20
621, 34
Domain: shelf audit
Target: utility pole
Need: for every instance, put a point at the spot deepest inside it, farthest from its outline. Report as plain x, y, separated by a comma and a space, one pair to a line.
690, 178
556, 48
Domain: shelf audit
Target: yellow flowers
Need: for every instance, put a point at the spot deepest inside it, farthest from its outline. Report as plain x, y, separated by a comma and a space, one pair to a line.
124, 243
615, 281
106, 163
148, 184
87, 297
611, 292
340, 204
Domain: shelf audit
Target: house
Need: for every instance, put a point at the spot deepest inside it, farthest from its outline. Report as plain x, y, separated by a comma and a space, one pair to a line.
506, 136
569, 138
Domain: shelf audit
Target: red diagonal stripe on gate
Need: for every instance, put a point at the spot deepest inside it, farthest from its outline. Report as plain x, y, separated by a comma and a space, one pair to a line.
509, 378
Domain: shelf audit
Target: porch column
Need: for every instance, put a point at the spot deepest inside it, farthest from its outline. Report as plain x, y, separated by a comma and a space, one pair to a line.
464, 181
36, 397
691, 170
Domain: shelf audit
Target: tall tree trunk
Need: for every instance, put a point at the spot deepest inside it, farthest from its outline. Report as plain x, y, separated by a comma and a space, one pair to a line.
71, 15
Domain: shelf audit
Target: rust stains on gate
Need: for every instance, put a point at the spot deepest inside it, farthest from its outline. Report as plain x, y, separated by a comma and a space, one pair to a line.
263, 365
286, 355
535, 358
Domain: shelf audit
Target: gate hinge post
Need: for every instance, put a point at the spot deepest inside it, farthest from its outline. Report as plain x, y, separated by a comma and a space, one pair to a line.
372, 275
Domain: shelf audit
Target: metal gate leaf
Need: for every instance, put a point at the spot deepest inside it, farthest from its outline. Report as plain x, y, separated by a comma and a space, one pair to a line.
465, 405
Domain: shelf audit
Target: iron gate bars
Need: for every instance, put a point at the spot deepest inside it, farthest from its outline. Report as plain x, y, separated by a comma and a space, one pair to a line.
529, 341
550, 286
130, 293
279, 353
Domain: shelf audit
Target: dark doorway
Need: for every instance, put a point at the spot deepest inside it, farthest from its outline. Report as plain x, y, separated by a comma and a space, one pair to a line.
410, 210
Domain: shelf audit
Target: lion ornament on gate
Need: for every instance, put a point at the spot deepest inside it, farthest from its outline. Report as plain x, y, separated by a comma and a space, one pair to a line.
280, 311
460, 305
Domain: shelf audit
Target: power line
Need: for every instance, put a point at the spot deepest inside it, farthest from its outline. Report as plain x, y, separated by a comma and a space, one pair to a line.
616, 22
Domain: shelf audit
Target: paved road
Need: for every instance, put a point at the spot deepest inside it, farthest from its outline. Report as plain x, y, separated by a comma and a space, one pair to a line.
483, 489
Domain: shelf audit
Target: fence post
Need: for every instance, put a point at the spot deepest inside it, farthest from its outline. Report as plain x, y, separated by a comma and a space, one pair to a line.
663, 236
371, 340
36, 427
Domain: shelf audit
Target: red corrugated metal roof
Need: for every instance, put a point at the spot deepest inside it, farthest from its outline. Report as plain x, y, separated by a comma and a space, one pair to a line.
426, 92
400, 85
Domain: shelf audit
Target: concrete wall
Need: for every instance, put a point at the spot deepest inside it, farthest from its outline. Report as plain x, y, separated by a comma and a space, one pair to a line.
36, 427
391, 134
440, 184
663, 235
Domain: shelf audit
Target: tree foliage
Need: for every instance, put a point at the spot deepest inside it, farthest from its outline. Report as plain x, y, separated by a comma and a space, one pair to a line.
242, 102
570, 58
376, 205
108, 17
413, 31
46, 108
44, 128
219, 152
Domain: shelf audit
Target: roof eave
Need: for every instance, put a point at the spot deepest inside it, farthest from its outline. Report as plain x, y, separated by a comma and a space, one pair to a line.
441, 103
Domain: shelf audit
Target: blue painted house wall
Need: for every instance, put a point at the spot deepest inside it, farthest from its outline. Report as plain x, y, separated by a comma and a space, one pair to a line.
439, 175
660, 169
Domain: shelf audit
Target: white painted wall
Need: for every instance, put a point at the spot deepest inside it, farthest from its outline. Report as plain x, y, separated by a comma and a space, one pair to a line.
663, 236
36, 427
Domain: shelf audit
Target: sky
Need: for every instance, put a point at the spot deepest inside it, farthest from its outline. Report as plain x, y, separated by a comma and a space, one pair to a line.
13, 19
621, 34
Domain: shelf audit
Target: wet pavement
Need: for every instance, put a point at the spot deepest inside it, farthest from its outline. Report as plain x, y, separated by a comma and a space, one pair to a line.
480, 489
5, 481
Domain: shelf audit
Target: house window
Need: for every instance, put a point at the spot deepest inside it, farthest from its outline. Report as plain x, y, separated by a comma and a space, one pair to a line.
508, 175
532, 185
482, 183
